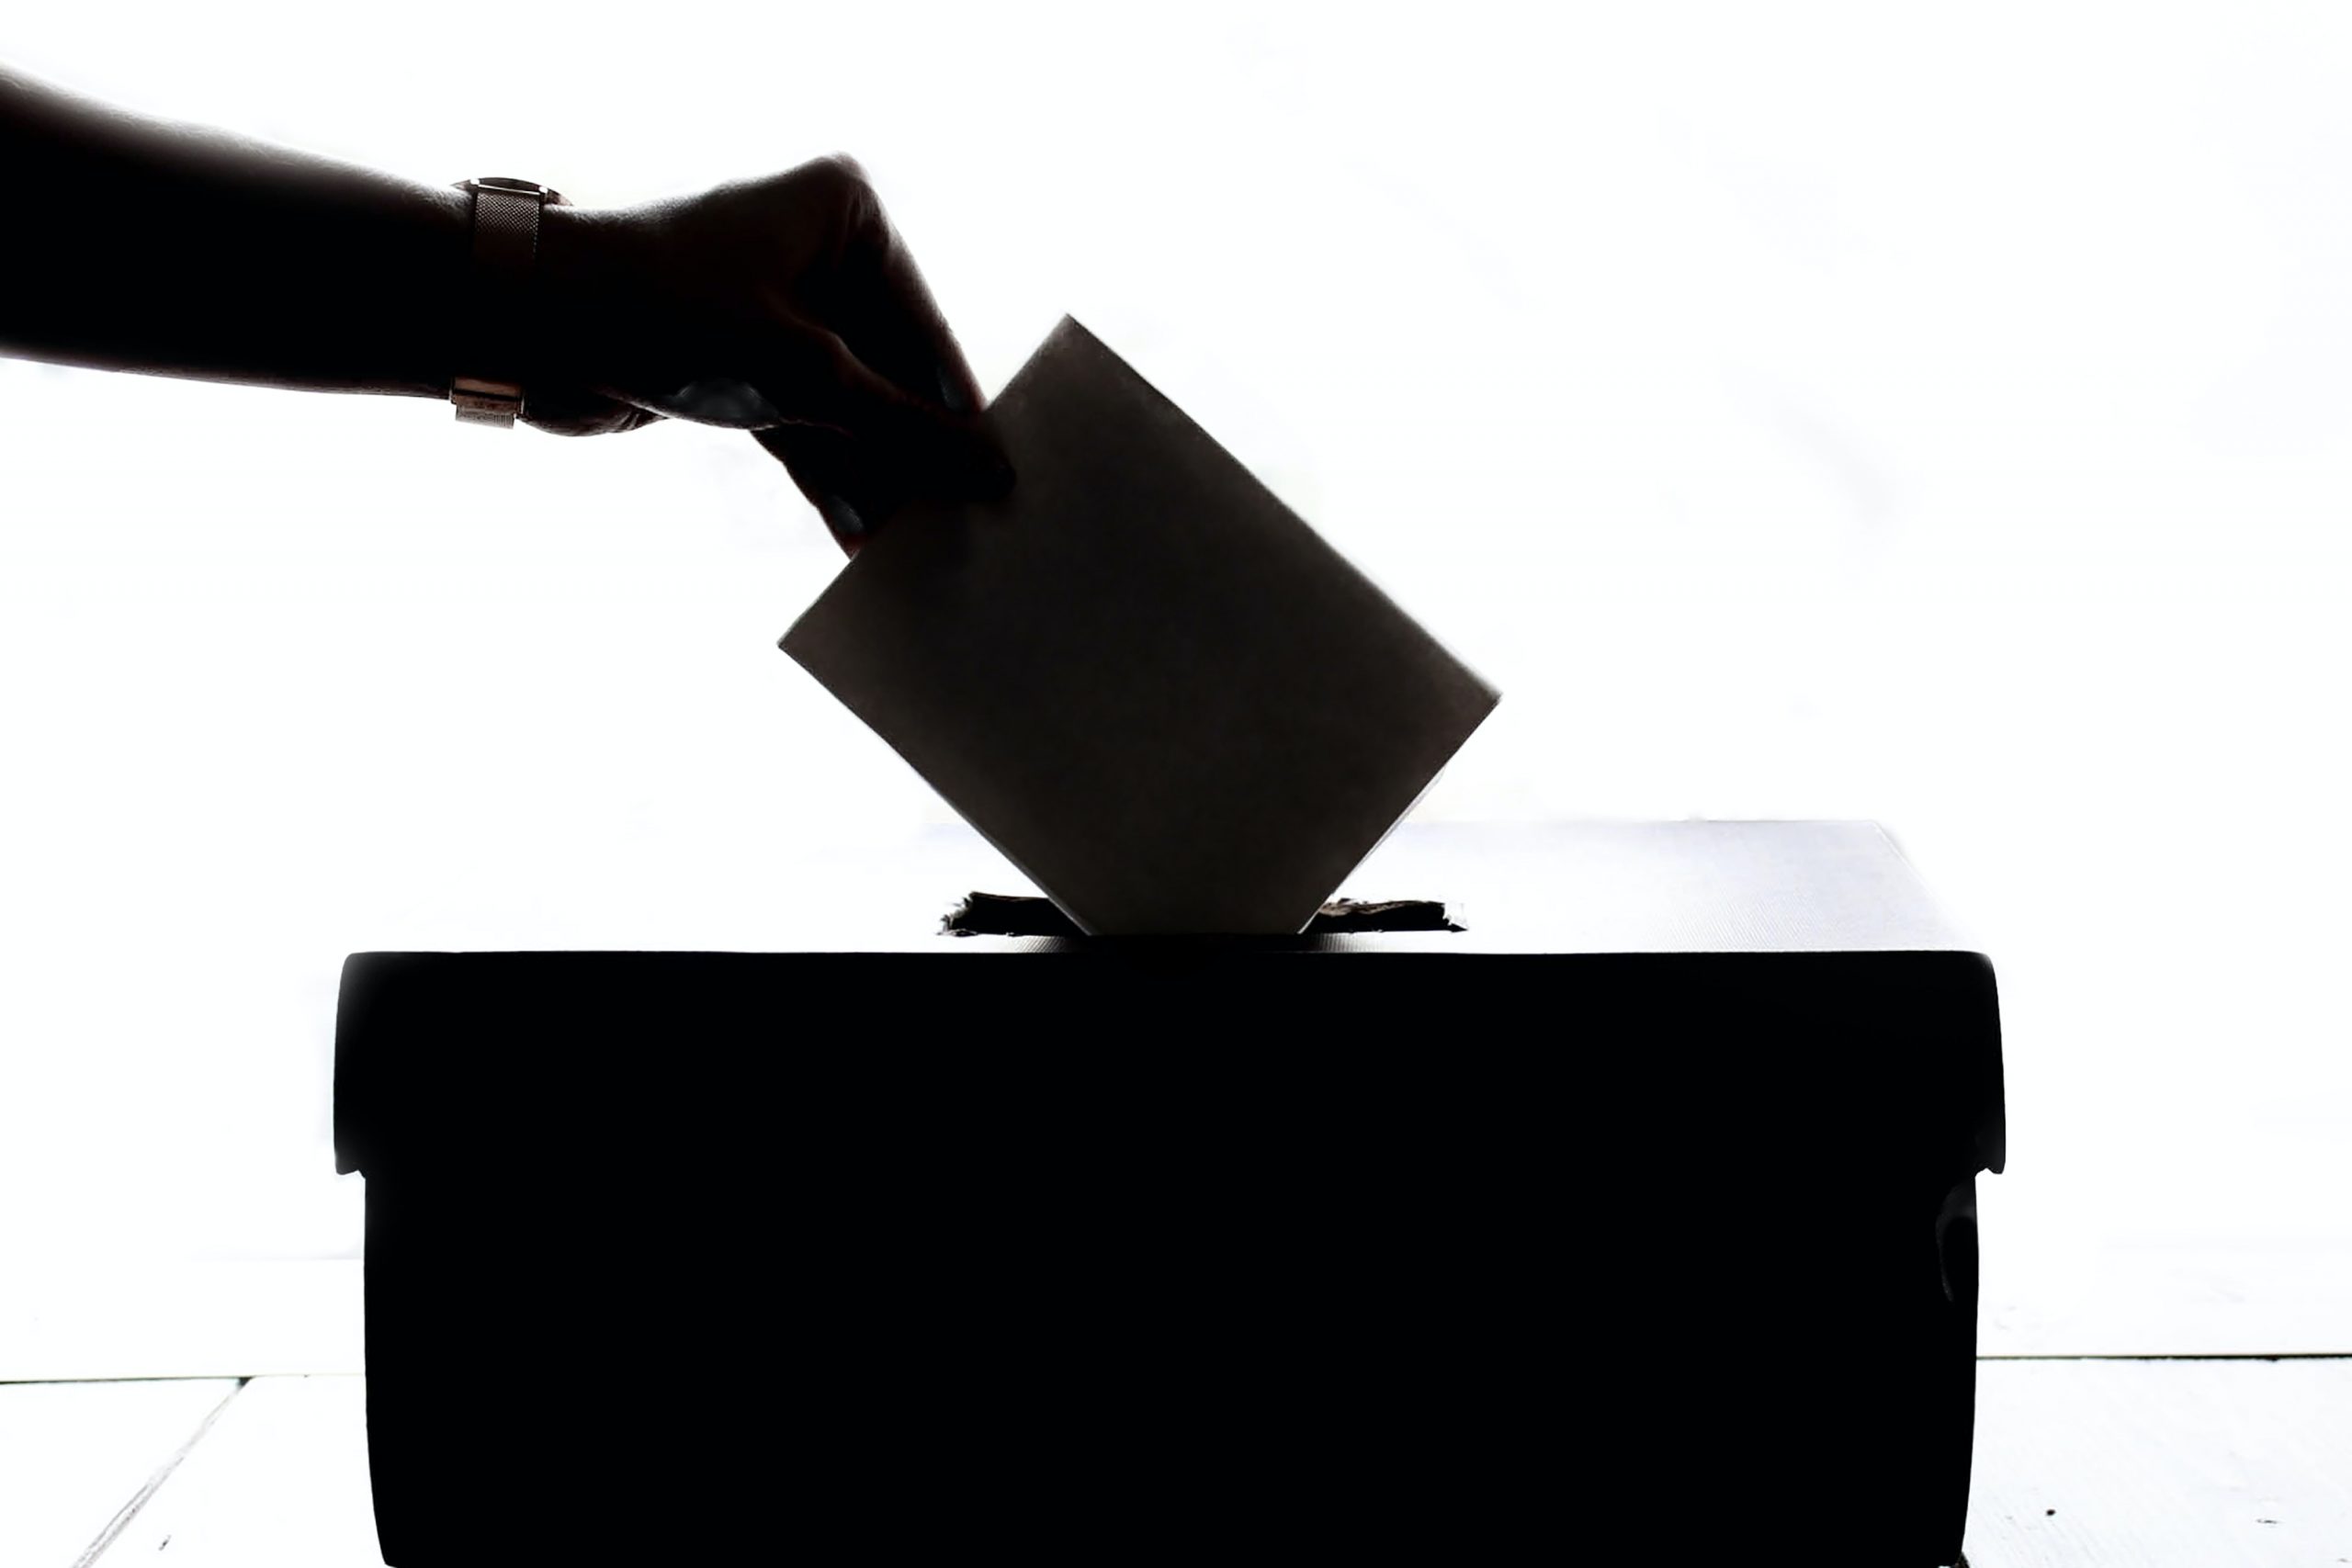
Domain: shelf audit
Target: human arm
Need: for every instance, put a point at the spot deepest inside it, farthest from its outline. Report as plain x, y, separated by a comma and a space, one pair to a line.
786, 306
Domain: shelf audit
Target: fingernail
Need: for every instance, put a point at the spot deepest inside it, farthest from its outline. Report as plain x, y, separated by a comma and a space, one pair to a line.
952, 395
840, 516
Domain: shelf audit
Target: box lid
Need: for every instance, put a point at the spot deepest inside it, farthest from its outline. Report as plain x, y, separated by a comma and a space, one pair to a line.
1764, 935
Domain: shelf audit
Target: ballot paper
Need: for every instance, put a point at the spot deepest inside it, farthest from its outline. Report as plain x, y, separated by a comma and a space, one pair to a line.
1142, 677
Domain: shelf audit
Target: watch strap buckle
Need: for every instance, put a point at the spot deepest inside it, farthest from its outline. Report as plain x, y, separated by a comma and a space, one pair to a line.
486, 402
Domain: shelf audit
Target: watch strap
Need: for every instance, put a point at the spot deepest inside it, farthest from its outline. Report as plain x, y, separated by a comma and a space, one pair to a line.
497, 312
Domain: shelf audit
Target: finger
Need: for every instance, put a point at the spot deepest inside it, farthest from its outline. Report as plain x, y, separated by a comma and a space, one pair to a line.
915, 444
716, 400
887, 313
823, 468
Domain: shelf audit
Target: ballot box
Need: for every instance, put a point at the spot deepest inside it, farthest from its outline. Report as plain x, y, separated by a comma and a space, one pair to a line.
1644, 1200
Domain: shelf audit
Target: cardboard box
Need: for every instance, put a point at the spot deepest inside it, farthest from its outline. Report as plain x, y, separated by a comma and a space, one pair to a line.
1644, 1202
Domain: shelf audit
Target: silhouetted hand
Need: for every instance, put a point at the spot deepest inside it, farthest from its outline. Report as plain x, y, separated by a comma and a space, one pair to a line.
787, 307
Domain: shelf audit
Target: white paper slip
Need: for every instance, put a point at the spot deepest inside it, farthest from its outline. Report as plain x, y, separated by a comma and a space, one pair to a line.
1141, 676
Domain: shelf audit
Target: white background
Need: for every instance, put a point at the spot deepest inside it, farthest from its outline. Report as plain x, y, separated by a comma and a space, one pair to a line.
1935, 415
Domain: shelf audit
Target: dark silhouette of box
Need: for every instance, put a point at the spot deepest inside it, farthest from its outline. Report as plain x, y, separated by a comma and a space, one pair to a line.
1436, 1246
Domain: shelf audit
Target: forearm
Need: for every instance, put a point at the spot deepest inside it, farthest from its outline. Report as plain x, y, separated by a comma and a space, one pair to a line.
142, 245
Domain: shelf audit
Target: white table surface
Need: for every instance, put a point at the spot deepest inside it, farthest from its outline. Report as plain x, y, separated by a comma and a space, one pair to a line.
2158, 1464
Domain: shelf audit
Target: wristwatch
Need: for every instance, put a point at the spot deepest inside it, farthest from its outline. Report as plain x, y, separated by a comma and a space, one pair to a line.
498, 298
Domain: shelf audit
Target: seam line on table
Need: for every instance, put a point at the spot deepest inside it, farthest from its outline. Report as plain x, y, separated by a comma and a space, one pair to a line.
130, 1511
160, 1377
2190, 1356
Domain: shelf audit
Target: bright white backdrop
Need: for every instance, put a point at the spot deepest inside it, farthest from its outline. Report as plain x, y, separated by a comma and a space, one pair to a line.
1939, 415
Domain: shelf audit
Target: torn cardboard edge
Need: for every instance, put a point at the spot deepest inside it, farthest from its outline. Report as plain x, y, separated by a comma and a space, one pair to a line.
1007, 913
